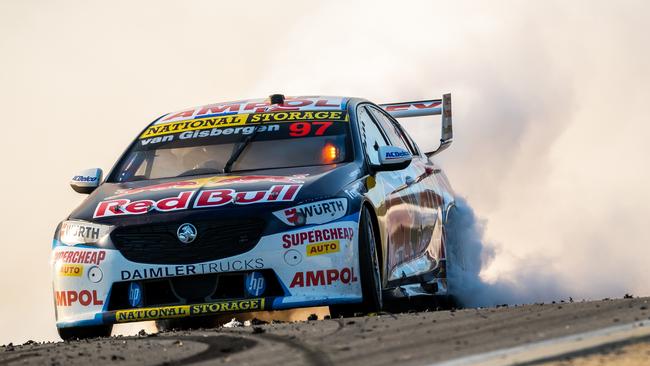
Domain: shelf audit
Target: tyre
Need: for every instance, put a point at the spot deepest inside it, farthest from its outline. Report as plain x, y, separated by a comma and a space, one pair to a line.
95, 331
369, 271
455, 262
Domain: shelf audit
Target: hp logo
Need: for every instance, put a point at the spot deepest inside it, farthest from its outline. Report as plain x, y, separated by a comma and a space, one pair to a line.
255, 283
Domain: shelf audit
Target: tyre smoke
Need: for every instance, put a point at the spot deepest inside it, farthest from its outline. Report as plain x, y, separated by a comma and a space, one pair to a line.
550, 128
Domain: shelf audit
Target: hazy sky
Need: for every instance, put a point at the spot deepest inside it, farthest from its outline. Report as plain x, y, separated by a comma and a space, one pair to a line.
550, 108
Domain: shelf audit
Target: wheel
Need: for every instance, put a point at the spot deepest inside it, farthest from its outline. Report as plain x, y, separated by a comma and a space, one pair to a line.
455, 268
370, 272
95, 331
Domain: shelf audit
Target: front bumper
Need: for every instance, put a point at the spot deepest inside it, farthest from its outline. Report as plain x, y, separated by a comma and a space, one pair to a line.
301, 267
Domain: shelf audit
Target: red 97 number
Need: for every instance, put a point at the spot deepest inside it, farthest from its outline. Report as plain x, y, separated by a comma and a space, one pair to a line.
300, 129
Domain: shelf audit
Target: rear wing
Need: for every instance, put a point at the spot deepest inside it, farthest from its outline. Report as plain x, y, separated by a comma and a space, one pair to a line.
427, 108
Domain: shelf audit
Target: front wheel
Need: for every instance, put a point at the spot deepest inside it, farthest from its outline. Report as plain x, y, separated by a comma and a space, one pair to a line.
95, 331
370, 272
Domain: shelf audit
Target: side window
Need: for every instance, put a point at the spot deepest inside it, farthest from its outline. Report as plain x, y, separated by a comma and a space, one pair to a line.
415, 149
394, 133
372, 137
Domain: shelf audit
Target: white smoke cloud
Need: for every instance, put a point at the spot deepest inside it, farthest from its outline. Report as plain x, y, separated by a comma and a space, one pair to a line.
549, 109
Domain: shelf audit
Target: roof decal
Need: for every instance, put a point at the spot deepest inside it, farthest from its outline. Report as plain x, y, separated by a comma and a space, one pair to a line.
311, 103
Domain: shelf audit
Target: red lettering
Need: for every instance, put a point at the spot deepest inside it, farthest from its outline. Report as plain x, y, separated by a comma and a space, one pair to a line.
215, 109
188, 113
243, 198
332, 275
315, 278
214, 198
109, 208
322, 278
397, 107
96, 300
286, 238
179, 202
257, 107
291, 192
61, 299
275, 193
101, 257
326, 235
72, 297
139, 207
323, 103
85, 298
298, 280
291, 105
346, 275
424, 106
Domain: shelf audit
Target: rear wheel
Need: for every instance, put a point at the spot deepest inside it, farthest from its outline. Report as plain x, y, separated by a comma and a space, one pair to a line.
370, 272
455, 259
95, 331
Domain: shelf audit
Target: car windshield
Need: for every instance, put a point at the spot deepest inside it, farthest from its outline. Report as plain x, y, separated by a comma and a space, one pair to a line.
173, 150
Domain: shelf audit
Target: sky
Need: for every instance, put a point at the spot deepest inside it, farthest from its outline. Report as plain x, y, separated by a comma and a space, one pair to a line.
550, 157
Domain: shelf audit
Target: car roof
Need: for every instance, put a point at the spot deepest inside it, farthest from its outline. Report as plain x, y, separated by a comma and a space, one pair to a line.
249, 106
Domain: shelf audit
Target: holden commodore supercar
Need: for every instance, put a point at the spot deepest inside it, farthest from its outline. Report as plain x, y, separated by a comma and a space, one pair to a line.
254, 205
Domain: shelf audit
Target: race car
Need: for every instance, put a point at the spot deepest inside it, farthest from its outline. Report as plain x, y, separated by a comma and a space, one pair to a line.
256, 205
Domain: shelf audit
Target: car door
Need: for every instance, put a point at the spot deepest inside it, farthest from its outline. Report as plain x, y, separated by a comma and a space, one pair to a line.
415, 212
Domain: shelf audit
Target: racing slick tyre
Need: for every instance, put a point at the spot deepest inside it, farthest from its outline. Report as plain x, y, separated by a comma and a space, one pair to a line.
370, 272
95, 331
455, 268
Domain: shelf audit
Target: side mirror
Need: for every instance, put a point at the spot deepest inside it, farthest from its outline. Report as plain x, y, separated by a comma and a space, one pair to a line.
87, 180
392, 158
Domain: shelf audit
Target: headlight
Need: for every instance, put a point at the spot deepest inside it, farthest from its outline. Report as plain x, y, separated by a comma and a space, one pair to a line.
81, 232
319, 212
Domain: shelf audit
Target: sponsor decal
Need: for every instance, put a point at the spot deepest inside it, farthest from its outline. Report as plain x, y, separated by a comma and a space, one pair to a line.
234, 121
412, 106
120, 207
323, 277
255, 283
192, 269
205, 198
319, 212
134, 315
84, 178
327, 247
316, 236
246, 130
221, 197
135, 294
83, 298
80, 256
396, 155
77, 232
259, 106
71, 270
